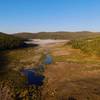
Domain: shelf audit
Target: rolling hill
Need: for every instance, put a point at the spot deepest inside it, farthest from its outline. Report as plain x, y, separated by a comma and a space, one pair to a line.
56, 35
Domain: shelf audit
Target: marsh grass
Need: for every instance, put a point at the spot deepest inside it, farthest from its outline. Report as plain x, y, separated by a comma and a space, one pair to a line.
75, 56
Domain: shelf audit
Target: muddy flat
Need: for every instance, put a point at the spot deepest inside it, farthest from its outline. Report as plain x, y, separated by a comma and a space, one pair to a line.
71, 75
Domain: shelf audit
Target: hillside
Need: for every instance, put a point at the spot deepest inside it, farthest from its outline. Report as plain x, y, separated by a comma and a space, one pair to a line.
9, 41
56, 35
25, 35
88, 45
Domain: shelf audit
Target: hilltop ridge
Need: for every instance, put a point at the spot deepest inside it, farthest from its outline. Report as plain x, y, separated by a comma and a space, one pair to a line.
56, 35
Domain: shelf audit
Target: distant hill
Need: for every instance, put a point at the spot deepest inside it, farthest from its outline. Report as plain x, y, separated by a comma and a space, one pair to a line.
25, 35
9, 41
56, 35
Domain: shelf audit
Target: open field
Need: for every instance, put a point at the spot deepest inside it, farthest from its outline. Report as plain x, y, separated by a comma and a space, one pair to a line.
72, 74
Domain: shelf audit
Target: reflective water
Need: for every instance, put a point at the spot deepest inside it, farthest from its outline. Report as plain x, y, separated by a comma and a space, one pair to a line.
48, 59
32, 77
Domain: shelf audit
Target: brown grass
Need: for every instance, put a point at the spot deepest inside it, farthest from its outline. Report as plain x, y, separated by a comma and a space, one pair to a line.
72, 79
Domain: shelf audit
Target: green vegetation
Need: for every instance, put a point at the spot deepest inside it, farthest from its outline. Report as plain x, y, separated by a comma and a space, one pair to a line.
7, 42
25, 35
13, 85
12, 82
56, 35
89, 45
10, 42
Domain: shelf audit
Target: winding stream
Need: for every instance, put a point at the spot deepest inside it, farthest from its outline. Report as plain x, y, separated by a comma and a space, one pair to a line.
31, 74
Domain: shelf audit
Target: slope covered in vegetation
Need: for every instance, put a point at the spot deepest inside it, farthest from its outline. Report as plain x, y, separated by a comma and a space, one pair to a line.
25, 35
89, 45
9, 41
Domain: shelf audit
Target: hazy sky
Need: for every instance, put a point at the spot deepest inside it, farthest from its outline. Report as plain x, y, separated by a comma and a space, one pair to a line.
49, 15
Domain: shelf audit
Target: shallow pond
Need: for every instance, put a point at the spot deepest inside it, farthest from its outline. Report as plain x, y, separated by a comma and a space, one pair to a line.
32, 77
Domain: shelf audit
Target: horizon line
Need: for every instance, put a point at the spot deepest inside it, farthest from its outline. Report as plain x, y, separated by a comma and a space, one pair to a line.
47, 32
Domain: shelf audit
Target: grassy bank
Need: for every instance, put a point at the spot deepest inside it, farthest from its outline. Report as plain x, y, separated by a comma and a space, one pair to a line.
88, 45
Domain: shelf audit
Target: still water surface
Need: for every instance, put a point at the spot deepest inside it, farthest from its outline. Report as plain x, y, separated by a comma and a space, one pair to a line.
32, 77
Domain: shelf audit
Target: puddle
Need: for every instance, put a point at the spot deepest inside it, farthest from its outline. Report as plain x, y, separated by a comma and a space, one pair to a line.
33, 78
48, 59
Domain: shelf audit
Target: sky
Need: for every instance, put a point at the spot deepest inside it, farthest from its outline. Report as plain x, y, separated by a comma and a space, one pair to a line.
49, 15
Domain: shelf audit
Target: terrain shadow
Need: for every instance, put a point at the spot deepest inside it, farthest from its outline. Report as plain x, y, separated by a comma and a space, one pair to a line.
3, 62
25, 46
